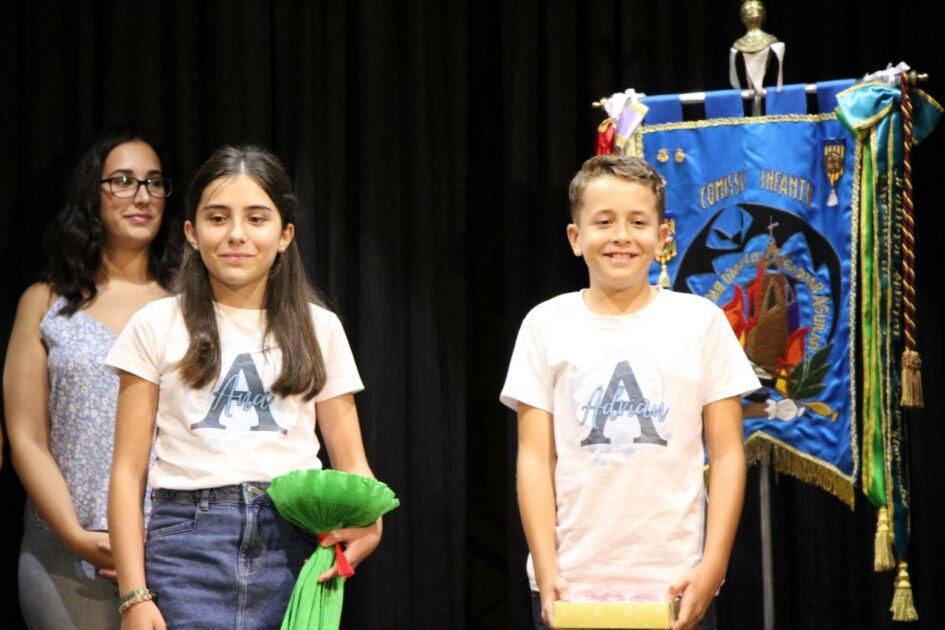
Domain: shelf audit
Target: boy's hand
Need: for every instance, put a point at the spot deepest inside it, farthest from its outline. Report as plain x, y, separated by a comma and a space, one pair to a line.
551, 591
697, 588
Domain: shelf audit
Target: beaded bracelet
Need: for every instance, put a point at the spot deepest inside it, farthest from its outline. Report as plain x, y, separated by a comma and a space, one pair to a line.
135, 596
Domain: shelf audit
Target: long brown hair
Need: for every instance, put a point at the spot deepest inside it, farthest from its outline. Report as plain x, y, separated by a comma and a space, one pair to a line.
75, 240
288, 292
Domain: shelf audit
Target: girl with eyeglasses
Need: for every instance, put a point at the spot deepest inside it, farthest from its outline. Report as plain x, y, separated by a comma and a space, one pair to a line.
112, 250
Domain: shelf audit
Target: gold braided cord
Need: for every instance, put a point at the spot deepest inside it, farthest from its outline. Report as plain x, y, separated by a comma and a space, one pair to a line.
854, 269
912, 396
908, 220
718, 122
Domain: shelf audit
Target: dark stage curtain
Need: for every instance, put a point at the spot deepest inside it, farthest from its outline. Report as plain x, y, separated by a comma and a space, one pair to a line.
365, 102
432, 143
553, 60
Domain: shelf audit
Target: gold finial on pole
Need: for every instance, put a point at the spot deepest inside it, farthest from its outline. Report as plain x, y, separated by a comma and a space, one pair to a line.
916, 77
755, 47
755, 39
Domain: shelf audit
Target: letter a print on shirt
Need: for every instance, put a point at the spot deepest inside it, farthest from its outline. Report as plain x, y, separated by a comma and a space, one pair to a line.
255, 396
606, 405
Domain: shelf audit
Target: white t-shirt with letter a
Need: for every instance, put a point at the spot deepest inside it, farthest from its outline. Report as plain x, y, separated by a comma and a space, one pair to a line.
235, 430
626, 394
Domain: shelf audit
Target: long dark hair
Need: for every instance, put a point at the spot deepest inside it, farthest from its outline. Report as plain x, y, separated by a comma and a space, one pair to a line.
288, 292
74, 240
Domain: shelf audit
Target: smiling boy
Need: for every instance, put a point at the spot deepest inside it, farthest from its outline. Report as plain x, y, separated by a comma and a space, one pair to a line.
615, 387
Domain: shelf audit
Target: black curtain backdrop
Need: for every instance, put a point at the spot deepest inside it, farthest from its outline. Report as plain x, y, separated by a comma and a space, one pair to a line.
432, 143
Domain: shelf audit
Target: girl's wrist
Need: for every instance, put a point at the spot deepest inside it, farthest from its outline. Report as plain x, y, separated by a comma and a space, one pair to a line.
134, 597
73, 538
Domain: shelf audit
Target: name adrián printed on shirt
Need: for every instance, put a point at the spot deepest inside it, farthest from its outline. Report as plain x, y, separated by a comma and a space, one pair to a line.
622, 398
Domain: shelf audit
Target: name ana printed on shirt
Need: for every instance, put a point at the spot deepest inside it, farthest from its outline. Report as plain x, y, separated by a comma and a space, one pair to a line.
609, 405
256, 396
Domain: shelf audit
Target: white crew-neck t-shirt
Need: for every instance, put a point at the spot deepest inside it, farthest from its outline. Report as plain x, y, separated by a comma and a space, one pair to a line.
234, 430
626, 394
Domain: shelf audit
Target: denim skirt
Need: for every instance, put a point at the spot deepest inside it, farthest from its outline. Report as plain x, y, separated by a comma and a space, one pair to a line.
222, 557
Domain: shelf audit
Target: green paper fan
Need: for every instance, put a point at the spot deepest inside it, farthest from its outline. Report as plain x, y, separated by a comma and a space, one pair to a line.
320, 501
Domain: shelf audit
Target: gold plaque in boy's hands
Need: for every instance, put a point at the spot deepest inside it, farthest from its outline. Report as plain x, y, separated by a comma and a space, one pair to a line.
634, 615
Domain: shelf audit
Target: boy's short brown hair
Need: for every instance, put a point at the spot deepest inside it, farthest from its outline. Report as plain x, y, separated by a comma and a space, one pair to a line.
629, 169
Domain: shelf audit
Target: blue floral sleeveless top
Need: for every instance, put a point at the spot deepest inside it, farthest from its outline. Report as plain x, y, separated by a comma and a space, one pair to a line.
83, 396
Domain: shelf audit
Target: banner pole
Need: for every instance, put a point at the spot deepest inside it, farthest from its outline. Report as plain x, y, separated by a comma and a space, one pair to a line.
764, 499
755, 47
767, 557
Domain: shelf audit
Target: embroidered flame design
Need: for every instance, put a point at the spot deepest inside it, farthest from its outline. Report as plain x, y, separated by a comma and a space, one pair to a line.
735, 314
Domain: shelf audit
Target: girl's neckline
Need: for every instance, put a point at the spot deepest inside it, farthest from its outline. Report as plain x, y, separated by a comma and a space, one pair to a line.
226, 308
99, 323
56, 309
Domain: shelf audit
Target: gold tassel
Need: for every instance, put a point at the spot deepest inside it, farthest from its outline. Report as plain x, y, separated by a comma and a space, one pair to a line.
903, 608
664, 277
912, 397
882, 547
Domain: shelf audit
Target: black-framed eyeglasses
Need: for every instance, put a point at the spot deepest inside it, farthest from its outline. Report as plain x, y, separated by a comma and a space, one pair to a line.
125, 186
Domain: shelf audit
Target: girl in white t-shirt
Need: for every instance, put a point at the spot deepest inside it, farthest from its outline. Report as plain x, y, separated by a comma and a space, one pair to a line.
229, 376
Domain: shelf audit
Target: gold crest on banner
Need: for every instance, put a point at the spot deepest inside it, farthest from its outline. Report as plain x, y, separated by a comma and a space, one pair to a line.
668, 252
834, 151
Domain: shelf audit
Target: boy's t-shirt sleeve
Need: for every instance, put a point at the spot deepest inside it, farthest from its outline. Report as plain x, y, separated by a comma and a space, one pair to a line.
138, 348
727, 369
530, 379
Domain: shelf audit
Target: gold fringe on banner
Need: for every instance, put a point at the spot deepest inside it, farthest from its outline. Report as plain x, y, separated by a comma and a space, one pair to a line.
785, 459
903, 608
912, 397
882, 544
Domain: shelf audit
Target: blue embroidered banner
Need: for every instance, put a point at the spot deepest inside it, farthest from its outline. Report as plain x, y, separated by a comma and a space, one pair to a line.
763, 214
